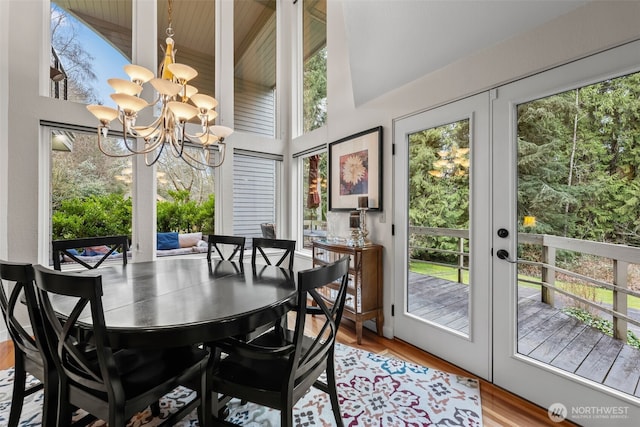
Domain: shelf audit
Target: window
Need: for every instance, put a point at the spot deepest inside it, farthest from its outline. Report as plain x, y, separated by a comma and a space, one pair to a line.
83, 57
255, 67
314, 197
254, 193
87, 197
314, 92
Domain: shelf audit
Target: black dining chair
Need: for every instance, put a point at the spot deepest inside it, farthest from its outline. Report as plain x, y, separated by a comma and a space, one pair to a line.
108, 246
220, 243
111, 384
277, 368
30, 351
286, 250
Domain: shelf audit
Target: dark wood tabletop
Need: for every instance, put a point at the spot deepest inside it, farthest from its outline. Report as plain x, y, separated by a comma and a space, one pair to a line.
175, 302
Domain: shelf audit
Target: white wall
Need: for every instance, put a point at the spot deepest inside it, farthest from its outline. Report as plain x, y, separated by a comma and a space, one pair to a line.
587, 30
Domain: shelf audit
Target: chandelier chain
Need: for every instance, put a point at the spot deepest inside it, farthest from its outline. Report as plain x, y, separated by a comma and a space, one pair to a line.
170, 31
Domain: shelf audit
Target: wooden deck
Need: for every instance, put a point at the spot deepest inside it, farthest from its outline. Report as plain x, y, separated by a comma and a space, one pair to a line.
544, 333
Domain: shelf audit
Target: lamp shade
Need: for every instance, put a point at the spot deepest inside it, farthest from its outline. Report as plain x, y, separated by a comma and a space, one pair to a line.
190, 91
129, 103
138, 73
182, 110
125, 86
204, 102
221, 131
165, 87
182, 72
102, 113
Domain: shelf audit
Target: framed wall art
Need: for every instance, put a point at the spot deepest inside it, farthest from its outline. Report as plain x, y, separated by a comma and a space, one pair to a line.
355, 171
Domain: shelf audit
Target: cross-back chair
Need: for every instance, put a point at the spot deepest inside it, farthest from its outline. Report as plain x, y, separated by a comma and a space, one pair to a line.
287, 246
108, 245
31, 353
277, 368
220, 242
111, 384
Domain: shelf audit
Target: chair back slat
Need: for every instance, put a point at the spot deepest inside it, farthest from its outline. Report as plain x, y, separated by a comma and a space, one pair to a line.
287, 246
68, 249
220, 242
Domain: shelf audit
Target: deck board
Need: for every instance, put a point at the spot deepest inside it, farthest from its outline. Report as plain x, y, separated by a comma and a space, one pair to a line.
544, 333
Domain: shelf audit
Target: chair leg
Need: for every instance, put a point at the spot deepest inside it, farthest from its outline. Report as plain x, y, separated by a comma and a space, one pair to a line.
333, 391
205, 412
65, 410
155, 408
50, 406
18, 395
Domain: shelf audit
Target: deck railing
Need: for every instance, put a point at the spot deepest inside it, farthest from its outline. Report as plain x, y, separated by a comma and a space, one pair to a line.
621, 257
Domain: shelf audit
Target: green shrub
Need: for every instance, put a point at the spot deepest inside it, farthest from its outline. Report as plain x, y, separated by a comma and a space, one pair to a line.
107, 215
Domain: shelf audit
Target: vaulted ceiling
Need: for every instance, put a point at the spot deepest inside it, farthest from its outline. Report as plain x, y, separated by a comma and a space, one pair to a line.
390, 42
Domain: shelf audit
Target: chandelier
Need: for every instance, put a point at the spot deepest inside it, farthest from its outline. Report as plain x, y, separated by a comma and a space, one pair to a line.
179, 104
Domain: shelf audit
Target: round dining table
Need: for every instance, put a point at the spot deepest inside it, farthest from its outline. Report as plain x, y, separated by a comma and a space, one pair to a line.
185, 301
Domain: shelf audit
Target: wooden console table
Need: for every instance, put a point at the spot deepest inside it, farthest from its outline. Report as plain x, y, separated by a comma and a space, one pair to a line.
364, 294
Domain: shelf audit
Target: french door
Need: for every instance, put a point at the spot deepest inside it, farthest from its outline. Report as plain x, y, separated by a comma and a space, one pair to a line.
560, 139
441, 216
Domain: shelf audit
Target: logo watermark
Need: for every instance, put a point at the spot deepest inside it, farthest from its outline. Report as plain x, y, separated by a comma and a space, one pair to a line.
558, 412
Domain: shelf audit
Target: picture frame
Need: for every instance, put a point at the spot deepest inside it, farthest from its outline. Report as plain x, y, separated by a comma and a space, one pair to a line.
355, 170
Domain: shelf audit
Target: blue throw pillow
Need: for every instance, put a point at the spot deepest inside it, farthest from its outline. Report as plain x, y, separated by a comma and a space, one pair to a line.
168, 241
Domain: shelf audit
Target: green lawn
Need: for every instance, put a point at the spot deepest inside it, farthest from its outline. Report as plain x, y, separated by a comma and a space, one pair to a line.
450, 273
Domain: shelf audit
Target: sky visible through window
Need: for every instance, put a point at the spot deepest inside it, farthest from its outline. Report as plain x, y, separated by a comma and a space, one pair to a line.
108, 62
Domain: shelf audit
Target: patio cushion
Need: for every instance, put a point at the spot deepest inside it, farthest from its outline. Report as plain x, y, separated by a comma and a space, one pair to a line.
187, 240
168, 241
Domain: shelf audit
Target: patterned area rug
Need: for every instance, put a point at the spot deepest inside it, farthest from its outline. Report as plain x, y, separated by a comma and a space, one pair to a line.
374, 391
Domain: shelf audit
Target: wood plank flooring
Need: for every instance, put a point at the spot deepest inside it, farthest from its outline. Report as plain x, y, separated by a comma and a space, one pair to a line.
544, 333
499, 407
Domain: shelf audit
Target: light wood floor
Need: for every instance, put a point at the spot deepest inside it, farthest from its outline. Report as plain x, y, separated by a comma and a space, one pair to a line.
499, 407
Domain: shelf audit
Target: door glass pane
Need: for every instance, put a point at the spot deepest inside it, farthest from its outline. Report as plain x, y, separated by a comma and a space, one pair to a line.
438, 283
579, 232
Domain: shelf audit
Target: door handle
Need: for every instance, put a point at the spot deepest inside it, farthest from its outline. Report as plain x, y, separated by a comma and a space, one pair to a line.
502, 254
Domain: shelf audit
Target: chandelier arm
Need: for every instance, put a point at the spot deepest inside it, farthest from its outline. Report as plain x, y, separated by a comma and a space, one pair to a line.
194, 163
208, 165
101, 148
157, 157
130, 147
